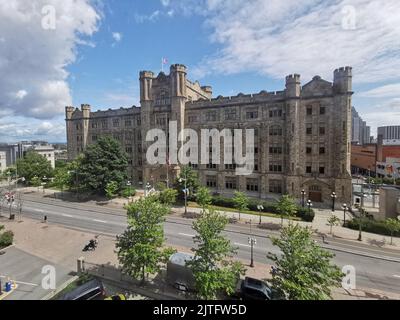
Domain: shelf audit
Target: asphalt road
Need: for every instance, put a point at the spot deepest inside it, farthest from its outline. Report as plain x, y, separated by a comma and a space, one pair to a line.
377, 272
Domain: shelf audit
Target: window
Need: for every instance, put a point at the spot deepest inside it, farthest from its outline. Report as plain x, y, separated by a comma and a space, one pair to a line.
128, 149
252, 115
252, 185
322, 110
104, 124
309, 129
275, 113
94, 138
230, 114
274, 167
256, 150
308, 169
138, 121
309, 150
230, 183
321, 170
211, 116
116, 123
322, 131
230, 167
275, 186
211, 181
128, 123
309, 111
275, 131
275, 150
94, 125
192, 119
211, 166
321, 150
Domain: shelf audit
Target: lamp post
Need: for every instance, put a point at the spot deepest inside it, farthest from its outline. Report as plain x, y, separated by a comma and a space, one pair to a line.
260, 208
309, 205
344, 213
185, 191
303, 194
252, 243
333, 196
360, 224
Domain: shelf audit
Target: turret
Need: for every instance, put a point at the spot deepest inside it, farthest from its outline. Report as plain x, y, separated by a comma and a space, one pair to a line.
178, 77
293, 86
342, 82
69, 111
85, 108
208, 91
146, 84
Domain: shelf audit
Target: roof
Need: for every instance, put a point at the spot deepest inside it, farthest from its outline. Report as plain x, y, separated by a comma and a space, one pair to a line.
83, 289
181, 258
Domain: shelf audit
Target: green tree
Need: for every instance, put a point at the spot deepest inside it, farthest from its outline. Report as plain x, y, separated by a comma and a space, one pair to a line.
214, 271
192, 181
112, 189
35, 182
168, 196
203, 197
140, 247
241, 202
62, 178
303, 270
393, 225
33, 164
286, 207
102, 163
332, 222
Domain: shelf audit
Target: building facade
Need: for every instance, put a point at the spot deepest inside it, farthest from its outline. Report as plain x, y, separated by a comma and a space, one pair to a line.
361, 133
302, 133
389, 132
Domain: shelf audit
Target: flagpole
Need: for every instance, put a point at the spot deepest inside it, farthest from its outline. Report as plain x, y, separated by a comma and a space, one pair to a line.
167, 156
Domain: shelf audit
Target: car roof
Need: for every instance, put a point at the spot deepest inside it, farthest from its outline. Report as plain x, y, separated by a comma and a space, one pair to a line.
83, 289
257, 284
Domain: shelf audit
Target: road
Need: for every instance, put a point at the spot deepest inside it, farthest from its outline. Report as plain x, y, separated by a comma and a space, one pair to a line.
377, 272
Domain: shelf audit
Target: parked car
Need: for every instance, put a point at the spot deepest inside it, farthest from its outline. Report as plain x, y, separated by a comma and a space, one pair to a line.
92, 290
254, 289
179, 274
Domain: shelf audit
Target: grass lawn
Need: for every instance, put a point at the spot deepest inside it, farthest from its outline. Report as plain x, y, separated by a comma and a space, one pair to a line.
254, 213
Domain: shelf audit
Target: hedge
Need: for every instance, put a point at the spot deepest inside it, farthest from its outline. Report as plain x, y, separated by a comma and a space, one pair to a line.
6, 239
372, 226
269, 207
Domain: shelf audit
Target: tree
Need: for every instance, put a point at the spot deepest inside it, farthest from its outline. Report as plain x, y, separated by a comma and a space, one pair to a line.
140, 247
203, 197
168, 196
102, 163
213, 271
111, 189
62, 177
286, 207
393, 225
241, 202
333, 221
33, 165
192, 181
35, 182
303, 270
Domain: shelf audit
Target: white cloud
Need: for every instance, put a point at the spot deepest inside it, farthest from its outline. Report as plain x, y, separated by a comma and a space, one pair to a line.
165, 3
35, 58
117, 36
391, 90
153, 17
276, 38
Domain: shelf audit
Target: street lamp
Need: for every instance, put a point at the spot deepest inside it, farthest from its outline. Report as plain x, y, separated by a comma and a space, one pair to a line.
344, 213
252, 243
185, 191
333, 196
260, 208
309, 205
360, 224
303, 194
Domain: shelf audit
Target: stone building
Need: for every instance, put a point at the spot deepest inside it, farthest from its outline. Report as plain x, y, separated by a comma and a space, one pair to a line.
302, 133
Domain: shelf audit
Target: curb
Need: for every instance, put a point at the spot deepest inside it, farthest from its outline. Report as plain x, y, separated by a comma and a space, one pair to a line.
9, 247
60, 288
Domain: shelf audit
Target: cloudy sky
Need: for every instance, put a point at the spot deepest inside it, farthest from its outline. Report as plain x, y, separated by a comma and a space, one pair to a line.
55, 53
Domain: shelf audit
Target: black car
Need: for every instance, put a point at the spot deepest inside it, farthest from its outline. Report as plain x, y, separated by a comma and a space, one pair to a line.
92, 290
254, 289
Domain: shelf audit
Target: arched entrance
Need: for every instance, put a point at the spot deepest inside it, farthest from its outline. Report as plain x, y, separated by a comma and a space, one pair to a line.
315, 193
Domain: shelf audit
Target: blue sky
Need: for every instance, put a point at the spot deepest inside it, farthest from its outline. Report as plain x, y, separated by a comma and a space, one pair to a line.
97, 48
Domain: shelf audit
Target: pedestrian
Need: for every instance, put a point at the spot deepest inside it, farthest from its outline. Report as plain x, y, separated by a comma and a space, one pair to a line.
45, 219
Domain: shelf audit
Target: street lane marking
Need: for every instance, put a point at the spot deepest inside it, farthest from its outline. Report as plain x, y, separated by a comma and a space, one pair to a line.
242, 245
67, 215
187, 235
39, 210
100, 221
396, 276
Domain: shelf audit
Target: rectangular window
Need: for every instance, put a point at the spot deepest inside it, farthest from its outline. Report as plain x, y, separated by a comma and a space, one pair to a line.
275, 113
309, 150
116, 123
252, 115
104, 124
321, 150
322, 110
322, 131
309, 111
211, 166
309, 129
321, 170
211, 116
275, 150
128, 149
275, 167
94, 138
128, 123
211, 181
275, 186
230, 183
252, 185
308, 169
192, 119
275, 131
230, 114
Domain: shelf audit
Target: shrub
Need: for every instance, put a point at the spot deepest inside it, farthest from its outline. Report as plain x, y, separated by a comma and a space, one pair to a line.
6, 239
373, 226
128, 192
168, 196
